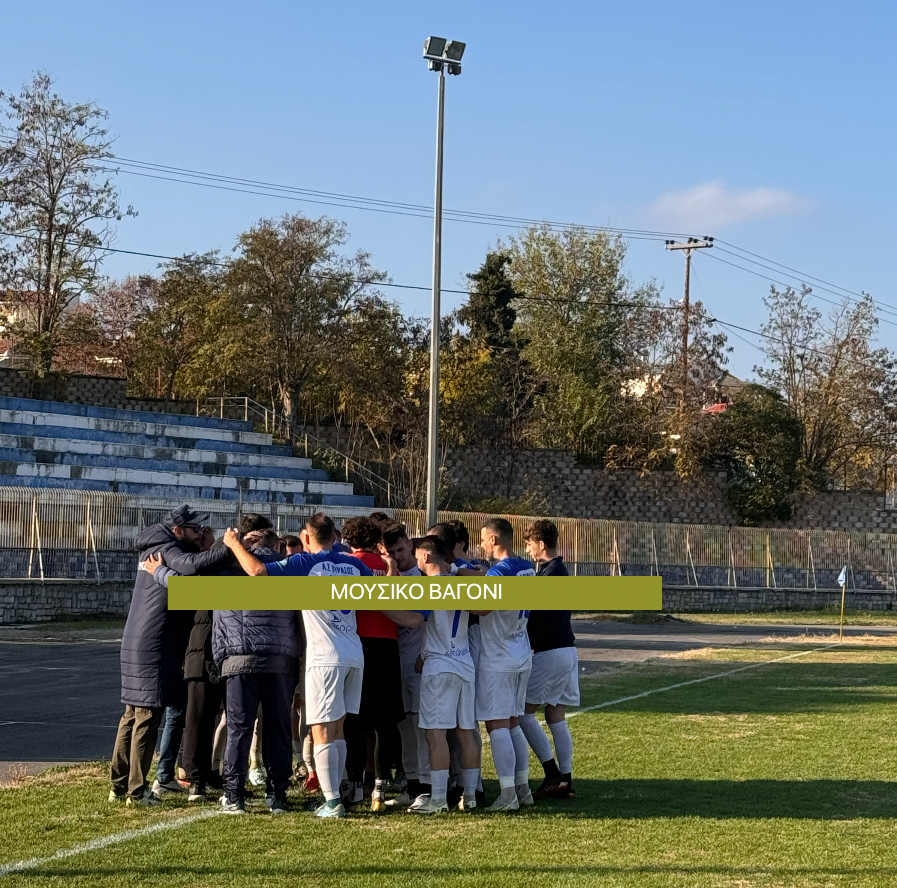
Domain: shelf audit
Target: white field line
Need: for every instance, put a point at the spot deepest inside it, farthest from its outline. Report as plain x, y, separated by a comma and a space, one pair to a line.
104, 842
692, 681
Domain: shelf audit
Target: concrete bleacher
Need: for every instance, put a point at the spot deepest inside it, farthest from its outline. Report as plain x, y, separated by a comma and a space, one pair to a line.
56, 444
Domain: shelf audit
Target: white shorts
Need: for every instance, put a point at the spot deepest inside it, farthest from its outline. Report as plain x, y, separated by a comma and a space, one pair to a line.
411, 691
554, 680
500, 695
331, 692
446, 701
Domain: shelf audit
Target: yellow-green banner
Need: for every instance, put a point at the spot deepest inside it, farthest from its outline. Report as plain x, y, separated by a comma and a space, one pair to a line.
415, 593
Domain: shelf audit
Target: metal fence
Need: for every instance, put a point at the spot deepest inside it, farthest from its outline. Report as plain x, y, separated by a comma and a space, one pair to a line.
54, 533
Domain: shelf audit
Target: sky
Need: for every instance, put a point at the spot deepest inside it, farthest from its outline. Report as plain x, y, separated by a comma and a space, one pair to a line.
768, 125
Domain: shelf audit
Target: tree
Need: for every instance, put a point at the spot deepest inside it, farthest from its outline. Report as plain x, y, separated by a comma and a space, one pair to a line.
300, 291
175, 328
838, 383
762, 437
574, 314
489, 312
56, 209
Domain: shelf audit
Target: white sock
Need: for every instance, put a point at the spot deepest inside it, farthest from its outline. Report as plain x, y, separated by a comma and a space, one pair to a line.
341, 749
327, 762
409, 748
521, 756
423, 752
563, 746
439, 782
503, 756
536, 737
308, 753
469, 779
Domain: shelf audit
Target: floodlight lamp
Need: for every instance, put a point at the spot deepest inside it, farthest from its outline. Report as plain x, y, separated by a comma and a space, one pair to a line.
434, 64
453, 67
454, 49
435, 46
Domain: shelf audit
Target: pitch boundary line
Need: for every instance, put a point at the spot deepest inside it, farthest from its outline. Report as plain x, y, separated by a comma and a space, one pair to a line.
104, 842
691, 681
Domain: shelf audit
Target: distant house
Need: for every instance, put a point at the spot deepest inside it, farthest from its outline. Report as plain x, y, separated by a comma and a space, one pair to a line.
727, 390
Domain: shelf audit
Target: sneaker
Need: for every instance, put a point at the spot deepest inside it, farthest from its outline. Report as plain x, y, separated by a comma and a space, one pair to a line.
453, 796
325, 811
229, 807
481, 798
148, 800
402, 800
566, 790
170, 788
419, 802
524, 795
278, 806
311, 783
430, 806
467, 803
116, 796
196, 793
503, 803
257, 776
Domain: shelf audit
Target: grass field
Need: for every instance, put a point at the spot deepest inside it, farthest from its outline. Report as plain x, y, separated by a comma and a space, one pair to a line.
777, 775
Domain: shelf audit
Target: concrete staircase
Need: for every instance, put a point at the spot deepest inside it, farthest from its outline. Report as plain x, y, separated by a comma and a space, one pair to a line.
55, 444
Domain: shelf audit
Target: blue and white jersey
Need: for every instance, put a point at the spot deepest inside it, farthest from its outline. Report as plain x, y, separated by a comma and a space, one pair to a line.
504, 644
511, 567
331, 639
446, 648
321, 564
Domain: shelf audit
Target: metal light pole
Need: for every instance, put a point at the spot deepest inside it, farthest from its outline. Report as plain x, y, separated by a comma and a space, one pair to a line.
441, 54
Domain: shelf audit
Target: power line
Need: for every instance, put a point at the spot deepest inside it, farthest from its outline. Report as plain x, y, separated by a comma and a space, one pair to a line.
785, 284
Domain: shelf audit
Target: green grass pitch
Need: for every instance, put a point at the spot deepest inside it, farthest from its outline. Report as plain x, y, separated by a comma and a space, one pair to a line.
780, 775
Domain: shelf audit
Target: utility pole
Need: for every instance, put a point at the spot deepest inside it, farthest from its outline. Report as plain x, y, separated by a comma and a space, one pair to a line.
689, 247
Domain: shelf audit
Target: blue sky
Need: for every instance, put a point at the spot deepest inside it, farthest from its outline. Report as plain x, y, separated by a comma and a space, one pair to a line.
770, 125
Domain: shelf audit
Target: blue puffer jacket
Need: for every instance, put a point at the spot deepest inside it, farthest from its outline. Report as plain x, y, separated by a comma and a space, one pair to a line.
256, 641
155, 638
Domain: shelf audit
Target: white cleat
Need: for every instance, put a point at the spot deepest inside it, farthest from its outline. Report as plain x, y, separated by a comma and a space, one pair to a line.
431, 806
402, 800
525, 796
419, 802
504, 803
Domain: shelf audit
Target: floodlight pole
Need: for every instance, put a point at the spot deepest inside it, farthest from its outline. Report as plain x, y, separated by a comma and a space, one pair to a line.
433, 424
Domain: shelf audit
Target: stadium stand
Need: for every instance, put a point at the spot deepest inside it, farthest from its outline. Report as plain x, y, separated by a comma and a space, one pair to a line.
55, 444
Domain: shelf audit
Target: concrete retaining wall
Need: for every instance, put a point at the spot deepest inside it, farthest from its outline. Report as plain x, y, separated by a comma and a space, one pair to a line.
22, 601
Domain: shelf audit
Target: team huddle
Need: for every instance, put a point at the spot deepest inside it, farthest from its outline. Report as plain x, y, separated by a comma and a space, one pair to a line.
381, 706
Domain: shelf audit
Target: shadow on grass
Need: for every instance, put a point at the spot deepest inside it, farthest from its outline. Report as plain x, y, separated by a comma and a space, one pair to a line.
483, 870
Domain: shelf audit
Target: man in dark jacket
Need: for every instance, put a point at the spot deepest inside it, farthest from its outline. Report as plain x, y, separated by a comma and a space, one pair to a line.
257, 653
152, 651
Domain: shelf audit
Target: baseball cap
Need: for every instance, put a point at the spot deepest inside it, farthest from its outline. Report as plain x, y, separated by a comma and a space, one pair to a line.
184, 515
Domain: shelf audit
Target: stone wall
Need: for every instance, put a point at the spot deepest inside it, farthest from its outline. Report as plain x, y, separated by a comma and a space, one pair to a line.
95, 391
580, 491
679, 599
23, 601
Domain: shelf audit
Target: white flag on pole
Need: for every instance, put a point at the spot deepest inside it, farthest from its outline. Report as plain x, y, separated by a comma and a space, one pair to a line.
842, 577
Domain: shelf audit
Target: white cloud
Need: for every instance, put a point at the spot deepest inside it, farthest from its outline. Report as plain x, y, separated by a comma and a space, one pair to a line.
712, 205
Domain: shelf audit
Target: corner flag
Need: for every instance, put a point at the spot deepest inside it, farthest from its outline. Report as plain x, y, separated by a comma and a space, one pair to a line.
842, 577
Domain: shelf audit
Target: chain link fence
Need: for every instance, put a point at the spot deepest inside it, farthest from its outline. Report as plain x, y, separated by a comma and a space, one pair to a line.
70, 534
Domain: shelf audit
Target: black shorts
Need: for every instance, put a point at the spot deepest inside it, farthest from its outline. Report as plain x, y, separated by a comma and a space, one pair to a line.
381, 688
